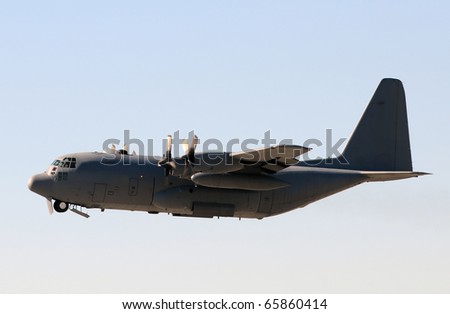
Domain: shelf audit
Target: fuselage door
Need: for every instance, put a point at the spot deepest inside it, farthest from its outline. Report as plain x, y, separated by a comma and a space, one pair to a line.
266, 202
99, 193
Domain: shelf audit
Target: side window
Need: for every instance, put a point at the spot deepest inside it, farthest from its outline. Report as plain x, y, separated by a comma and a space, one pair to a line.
62, 176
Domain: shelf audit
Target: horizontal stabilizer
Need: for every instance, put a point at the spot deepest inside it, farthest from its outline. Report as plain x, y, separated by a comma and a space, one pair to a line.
374, 176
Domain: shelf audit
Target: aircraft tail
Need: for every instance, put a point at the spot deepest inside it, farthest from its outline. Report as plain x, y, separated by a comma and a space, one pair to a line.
380, 141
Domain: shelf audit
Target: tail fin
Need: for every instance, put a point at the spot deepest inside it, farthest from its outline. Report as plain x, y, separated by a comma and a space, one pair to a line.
380, 141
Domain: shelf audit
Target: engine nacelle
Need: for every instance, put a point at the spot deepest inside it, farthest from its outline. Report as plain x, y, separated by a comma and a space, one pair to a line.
251, 182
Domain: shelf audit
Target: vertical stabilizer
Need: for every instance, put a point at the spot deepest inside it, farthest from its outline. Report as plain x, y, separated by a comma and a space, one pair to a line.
380, 141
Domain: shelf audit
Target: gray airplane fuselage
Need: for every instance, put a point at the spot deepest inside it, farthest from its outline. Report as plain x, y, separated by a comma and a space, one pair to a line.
129, 182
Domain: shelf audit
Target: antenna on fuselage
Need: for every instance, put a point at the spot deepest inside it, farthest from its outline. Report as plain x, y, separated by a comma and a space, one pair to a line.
124, 150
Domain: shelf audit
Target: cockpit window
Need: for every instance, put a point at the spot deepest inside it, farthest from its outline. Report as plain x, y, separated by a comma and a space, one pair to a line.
56, 162
67, 162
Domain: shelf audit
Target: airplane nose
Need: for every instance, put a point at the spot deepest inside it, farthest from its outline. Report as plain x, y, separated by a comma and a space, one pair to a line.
41, 184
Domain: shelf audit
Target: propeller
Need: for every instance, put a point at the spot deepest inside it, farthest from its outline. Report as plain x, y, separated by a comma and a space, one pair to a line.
186, 160
167, 161
49, 205
169, 147
189, 146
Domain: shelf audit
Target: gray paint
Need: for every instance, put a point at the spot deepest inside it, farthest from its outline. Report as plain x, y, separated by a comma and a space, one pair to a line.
253, 184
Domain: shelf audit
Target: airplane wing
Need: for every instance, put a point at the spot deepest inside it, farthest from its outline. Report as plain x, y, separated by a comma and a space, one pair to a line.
270, 159
248, 170
255, 161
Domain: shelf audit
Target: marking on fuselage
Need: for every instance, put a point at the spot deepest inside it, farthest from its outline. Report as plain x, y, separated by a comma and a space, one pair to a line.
133, 187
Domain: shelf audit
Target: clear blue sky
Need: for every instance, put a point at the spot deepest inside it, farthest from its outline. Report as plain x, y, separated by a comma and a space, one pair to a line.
74, 74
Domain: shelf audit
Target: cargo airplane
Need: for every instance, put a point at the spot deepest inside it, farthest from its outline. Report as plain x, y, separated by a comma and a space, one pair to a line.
255, 183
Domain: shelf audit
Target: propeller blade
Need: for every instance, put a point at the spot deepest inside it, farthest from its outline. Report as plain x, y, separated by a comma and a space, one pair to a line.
191, 151
169, 147
189, 144
49, 205
167, 161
